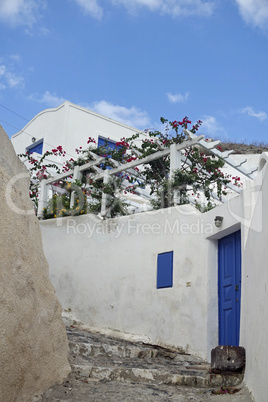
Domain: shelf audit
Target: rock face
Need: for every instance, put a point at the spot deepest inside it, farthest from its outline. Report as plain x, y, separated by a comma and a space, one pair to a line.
33, 342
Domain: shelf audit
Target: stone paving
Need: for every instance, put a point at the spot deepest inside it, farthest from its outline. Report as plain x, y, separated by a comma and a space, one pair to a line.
106, 368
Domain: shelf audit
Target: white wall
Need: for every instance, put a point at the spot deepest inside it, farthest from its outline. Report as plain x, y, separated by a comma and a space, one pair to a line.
48, 124
254, 314
105, 271
70, 126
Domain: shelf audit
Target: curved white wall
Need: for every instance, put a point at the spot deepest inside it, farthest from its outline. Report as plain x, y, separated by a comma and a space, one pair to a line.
70, 126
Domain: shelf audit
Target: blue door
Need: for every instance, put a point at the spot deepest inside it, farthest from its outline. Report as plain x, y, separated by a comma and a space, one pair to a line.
229, 280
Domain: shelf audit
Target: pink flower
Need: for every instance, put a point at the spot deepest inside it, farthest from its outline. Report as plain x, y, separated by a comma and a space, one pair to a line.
90, 139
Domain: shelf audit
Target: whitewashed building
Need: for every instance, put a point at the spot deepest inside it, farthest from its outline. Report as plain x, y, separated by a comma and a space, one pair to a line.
69, 126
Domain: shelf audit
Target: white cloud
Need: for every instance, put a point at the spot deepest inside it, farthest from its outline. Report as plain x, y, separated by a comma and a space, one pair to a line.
254, 12
15, 57
26, 12
44, 31
2, 70
211, 127
49, 99
177, 98
22, 12
14, 81
10, 79
131, 116
253, 113
172, 7
91, 7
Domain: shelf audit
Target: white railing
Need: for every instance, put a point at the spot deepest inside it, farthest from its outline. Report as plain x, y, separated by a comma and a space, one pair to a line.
211, 147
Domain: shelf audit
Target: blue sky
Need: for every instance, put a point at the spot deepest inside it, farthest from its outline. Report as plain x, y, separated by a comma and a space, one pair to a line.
138, 60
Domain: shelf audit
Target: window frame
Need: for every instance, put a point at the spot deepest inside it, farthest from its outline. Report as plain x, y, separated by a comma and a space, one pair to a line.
164, 277
35, 144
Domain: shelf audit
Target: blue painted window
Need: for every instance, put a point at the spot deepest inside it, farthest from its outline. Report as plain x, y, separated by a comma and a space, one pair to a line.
105, 142
109, 145
165, 270
36, 147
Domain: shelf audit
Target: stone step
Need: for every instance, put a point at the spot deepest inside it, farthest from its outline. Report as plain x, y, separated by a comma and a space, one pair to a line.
92, 344
103, 358
121, 372
87, 347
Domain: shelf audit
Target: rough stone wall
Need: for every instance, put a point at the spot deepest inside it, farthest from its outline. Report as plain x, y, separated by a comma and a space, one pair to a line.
33, 342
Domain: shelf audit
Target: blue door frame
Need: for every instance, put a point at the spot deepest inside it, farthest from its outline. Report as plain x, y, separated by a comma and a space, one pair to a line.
229, 282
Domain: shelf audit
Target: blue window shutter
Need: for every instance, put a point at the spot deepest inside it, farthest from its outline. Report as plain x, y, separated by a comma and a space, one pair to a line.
36, 147
165, 270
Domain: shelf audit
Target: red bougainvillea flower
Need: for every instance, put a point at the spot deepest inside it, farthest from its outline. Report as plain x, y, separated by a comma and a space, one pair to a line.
90, 139
122, 143
132, 158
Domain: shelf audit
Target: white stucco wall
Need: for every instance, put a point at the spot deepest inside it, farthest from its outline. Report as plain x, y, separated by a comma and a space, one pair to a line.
105, 271
254, 313
70, 126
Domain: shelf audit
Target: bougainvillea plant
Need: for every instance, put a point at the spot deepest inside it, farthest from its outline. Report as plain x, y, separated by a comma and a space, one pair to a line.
39, 170
199, 176
196, 181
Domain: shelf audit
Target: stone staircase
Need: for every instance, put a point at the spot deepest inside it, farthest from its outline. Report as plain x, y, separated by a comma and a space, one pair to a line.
106, 368
104, 358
